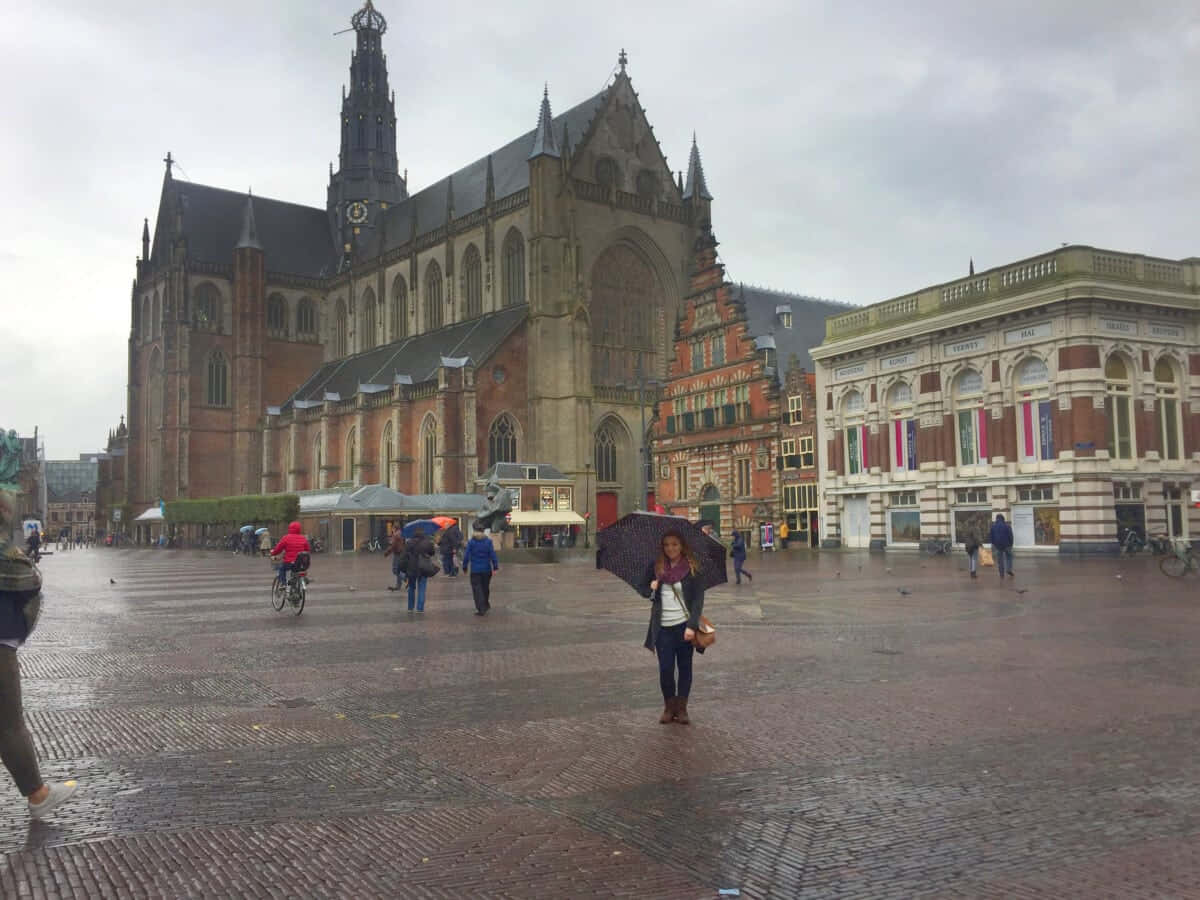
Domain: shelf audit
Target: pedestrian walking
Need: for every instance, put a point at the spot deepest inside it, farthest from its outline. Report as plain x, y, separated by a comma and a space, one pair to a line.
450, 541
20, 603
677, 600
395, 549
480, 561
971, 543
1001, 538
784, 533
738, 552
419, 566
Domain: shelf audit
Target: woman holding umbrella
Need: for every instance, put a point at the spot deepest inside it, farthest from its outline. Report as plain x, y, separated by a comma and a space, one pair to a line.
677, 596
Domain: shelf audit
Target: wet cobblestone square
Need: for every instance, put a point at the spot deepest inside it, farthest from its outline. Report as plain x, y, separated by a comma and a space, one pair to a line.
1033, 738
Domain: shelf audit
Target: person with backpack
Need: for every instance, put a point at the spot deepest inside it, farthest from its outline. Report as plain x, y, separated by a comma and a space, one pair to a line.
480, 561
1001, 538
419, 566
449, 543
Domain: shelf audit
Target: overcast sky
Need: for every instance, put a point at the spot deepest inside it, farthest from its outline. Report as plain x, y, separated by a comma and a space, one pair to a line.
856, 150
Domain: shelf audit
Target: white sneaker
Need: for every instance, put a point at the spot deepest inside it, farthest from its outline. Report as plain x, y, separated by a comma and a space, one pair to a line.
59, 793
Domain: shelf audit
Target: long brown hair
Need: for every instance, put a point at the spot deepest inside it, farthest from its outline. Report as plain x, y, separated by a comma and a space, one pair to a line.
662, 563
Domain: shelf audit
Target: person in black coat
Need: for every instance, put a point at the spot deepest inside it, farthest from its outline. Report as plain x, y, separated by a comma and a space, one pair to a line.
418, 560
677, 601
1001, 538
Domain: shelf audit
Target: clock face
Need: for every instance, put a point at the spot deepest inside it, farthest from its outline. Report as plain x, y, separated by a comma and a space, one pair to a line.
357, 212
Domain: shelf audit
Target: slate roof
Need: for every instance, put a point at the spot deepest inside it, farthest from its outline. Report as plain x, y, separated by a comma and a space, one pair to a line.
295, 238
808, 321
510, 170
418, 357
506, 471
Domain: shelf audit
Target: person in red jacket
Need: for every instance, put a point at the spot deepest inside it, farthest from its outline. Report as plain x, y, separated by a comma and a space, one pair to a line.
290, 545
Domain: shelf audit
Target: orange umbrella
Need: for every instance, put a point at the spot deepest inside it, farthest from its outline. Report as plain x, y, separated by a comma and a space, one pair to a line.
443, 521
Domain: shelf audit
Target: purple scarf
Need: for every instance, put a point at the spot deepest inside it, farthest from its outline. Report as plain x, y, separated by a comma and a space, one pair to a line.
674, 574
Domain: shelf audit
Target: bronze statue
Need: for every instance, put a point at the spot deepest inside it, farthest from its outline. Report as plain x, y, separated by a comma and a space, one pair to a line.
10, 458
499, 503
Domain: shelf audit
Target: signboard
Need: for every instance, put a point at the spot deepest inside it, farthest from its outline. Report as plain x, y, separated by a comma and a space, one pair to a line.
1118, 326
855, 371
896, 362
1158, 330
971, 345
547, 498
1028, 333
564, 499
116, 515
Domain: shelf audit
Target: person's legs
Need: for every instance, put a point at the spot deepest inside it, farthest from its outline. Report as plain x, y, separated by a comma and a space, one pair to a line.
421, 582
1008, 562
477, 591
412, 593
665, 648
487, 590
737, 570
448, 564
16, 744
684, 653
999, 557
973, 561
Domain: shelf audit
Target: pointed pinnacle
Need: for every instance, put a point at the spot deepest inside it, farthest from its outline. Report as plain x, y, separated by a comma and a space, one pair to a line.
696, 187
543, 136
249, 237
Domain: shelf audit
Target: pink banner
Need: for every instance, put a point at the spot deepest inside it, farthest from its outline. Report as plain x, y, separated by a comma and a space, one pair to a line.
899, 443
983, 453
1027, 420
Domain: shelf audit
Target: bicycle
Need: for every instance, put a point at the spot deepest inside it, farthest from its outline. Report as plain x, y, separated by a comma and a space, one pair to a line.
374, 545
1181, 561
294, 590
1133, 543
938, 547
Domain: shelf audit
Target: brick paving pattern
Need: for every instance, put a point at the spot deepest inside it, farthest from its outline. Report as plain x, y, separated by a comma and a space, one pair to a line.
968, 739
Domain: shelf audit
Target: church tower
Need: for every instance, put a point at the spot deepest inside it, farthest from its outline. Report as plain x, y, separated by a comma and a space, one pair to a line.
367, 180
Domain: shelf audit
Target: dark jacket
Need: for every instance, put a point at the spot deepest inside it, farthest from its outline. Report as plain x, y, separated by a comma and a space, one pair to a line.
413, 551
452, 538
738, 550
971, 540
693, 601
1001, 536
13, 625
480, 556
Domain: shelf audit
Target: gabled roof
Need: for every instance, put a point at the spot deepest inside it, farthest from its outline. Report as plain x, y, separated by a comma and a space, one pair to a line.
506, 471
763, 307
296, 239
510, 170
418, 357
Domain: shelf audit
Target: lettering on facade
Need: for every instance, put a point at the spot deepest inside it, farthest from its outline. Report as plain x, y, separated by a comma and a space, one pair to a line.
855, 371
1166, 331
896, 362
1119, 326
958, 348
1028, 333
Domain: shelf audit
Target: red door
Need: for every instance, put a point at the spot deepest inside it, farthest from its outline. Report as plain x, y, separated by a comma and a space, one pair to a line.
606, 509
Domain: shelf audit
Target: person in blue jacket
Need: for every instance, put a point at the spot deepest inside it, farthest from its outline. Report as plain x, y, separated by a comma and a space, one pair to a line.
1001, 538
480, 560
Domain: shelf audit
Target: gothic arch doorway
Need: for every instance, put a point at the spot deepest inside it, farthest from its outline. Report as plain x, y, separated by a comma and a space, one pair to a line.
710, 506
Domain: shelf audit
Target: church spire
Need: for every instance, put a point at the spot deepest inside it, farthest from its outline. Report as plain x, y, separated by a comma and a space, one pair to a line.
145, 239
543, 135
696, 188
249, 238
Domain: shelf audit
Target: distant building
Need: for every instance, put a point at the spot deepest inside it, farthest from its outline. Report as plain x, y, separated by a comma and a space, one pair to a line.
71, 494
799, 482
1059, 390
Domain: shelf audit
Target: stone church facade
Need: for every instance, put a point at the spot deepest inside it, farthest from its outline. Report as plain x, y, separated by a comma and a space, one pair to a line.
503, 313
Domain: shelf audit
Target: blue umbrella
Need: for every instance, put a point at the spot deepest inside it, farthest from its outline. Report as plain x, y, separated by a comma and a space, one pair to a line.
261, 530
246, 528
427, 525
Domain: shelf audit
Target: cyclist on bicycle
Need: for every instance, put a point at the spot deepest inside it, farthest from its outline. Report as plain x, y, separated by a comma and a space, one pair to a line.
290, 545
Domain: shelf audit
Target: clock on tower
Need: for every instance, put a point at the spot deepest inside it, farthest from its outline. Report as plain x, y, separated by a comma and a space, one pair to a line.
356, 212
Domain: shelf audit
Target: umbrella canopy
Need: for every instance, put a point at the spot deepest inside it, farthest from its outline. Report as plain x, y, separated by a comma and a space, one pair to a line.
444, 521
629, 546
261, 530
246, 528
429, 526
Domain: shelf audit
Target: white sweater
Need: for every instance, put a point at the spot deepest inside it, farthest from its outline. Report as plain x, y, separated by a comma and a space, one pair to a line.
673, 610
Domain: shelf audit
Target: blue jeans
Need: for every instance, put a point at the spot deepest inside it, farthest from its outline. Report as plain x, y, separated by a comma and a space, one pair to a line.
1004, 561
398, 571
417, 586
673, 651
283, 571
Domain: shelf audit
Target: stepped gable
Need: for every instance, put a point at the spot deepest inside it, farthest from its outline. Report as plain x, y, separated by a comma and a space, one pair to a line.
808, 321
418, 357
295, 238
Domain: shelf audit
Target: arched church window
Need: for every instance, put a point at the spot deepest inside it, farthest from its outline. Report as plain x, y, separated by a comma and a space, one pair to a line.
386, 456
156, 315
366, 337
626, 307
472, 284
606, 171
351, 451
428, 454
606, 454
399, 322
306, 321
339, 329
514, 269
218, 379
502, 441
276, 313
206, 305
433, 296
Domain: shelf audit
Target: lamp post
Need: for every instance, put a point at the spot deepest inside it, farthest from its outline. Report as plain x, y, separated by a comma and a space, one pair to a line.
587, 510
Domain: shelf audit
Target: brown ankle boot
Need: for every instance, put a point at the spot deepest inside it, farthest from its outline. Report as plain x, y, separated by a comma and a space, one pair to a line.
668, 713
681, 715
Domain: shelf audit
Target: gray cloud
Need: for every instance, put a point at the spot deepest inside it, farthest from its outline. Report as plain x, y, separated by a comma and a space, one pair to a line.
856, 150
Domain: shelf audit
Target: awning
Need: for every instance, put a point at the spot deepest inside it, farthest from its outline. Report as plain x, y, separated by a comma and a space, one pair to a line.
153, 514
544, 517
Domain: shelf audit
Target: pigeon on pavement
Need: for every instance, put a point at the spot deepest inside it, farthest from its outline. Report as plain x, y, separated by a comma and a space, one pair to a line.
904, 591
111, 581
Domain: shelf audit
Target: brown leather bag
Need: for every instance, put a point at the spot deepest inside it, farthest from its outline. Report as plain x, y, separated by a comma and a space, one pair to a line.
705, 635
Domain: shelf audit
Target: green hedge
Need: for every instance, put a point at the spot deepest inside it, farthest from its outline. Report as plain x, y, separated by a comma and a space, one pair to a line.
251, 509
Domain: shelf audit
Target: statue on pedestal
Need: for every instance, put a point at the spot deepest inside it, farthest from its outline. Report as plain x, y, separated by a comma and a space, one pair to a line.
499, 504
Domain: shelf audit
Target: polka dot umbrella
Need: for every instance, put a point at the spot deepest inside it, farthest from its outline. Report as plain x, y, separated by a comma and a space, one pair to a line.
629, 547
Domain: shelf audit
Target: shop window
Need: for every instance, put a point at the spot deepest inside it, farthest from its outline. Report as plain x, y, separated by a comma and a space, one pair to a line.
1166, 395
1118, 404
904, 498
971, 495
1037, 493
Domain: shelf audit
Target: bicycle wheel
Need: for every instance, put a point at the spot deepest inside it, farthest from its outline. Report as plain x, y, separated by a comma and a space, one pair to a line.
278, 594
299, 596
1173, 566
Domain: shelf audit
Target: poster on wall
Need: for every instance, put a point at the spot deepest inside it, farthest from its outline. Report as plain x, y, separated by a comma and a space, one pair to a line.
1046, 430
911, 438
564, 499
1045, 526
547, 498
965, 520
